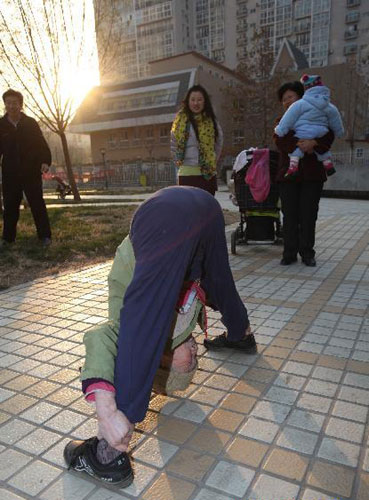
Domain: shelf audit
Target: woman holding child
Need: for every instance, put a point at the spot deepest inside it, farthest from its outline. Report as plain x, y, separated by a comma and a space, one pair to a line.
300, 193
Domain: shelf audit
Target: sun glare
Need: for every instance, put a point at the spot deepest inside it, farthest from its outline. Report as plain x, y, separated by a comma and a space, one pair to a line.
78, 85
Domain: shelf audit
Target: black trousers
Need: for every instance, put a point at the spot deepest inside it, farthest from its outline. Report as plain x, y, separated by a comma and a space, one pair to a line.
13, 189
300, 205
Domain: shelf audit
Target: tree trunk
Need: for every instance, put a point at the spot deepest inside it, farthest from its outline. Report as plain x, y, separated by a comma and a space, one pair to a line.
68, 165
1, 198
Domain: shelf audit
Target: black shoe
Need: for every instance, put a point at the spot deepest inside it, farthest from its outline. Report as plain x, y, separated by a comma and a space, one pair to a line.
309, 261
287, 261
81, 457
247, 344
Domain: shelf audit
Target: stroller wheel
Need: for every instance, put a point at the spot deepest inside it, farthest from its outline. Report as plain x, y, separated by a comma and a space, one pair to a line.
233, 242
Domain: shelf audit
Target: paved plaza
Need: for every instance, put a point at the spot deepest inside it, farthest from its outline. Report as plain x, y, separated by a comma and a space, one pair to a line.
288, 423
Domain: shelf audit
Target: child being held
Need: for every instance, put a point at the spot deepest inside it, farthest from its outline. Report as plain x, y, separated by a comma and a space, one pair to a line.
310, 118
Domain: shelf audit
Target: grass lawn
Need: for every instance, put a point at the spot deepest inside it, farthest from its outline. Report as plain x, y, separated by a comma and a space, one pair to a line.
82, 236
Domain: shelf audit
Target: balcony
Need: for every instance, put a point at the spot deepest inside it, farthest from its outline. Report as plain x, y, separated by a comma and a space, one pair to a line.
352, 17
350, 49
350, 34
353, 3
302, 28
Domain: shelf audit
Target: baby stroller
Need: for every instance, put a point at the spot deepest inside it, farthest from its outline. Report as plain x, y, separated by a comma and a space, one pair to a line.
260, 221
62, 188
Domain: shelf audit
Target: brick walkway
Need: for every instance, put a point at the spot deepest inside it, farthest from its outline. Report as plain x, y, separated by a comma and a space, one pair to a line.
289, 423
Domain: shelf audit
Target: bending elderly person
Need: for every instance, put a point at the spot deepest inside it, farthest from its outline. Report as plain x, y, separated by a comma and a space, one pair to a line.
176, 249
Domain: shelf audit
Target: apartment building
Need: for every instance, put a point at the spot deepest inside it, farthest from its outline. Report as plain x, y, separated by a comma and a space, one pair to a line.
325, 31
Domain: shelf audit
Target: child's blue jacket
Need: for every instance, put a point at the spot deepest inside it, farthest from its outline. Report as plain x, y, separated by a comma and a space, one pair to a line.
311, 116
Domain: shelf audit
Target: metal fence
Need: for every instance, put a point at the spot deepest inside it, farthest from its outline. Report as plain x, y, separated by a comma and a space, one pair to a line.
153, 174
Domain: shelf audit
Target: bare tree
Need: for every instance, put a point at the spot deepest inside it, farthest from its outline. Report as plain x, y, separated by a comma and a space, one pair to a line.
44, 44
355, 103
112, 23
253, 103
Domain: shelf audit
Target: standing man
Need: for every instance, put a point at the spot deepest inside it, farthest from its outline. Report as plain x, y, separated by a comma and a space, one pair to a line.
25, 157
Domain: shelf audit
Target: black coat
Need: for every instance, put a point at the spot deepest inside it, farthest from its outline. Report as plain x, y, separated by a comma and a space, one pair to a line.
23, 149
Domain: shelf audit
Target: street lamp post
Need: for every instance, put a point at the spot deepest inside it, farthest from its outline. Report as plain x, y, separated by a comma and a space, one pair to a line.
103, 153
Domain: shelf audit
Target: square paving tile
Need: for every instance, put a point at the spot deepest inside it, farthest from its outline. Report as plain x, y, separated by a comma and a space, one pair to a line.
221, 382
271, 411
225, 420
143, 476
191, 464
38, 441
168, 488
350, 411
363, 491
192, 411
297, 440
232, 369
312, 402
41, 412
281, 395
321, 388
339, 451
208, 395
65, 421
246, 451
176, 430
17, 404
259, 429
301, 369
354, 395
238, 402
155, 452
68, 486
310, 494
271, 488
55, 454
14, 430
34, 477
206, 494
306, 420
251, 388
289, 381
333, 478
350, 431
10, 463
357, 380
286, 463
230, 478
209, 440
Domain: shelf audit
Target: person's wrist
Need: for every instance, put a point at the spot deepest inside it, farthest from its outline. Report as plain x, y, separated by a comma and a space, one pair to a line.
105, 404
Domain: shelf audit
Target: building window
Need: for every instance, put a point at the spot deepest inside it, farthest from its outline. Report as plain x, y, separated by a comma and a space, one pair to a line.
150, 133
359, 153
112, 141
123, 139
164, 134
353, 3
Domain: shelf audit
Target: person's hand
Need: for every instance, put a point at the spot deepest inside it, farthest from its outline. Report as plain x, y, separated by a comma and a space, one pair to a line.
44, 168
307, 145
248, 331
114, 426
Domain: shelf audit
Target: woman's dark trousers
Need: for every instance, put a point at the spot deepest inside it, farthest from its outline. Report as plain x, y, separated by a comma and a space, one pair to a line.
300, 205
